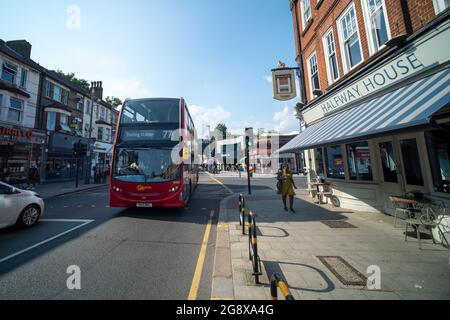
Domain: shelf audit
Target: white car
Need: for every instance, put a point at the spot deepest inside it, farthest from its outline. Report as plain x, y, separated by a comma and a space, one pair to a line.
19, 207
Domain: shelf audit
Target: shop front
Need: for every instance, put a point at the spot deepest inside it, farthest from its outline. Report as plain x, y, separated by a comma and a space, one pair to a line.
20, 150
388, 131
102, 159
60, 162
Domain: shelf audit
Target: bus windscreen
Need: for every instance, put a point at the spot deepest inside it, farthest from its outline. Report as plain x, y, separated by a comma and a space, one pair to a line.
151, 111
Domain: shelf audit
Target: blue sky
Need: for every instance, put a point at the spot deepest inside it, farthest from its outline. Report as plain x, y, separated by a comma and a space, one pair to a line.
216, 54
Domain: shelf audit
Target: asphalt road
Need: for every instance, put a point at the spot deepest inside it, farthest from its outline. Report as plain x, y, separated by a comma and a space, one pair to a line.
121, 253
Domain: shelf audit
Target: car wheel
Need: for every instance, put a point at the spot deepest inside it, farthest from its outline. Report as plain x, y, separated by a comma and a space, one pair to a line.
29, 216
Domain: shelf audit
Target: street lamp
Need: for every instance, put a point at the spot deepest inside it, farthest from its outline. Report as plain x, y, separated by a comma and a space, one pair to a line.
89, 164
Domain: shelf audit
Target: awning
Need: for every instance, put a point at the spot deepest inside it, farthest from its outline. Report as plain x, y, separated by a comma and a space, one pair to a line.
409, 106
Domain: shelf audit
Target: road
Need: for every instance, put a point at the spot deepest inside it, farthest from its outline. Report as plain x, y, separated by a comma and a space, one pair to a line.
121, 253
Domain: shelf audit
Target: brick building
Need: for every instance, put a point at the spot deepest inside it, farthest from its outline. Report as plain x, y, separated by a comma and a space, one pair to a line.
376, 97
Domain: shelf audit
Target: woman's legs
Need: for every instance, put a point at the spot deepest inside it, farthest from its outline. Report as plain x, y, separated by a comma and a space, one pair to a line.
284, 202
291, 203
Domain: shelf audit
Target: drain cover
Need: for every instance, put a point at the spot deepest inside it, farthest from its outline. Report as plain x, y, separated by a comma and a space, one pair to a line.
338, 224
345, 272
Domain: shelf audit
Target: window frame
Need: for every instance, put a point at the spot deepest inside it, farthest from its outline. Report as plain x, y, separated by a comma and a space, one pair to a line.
305, 20
11, 67
357, 176
310, 75
438, 5
367, 22
23, 78
342, 41
100, 136
19, 110
53, 128
344, 166
327, 55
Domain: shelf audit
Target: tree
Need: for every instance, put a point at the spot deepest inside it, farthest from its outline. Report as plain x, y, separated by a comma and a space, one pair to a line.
113, 101
71, 77
222, 128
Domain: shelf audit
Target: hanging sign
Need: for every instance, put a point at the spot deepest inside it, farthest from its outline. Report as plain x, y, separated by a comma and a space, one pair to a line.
283, 80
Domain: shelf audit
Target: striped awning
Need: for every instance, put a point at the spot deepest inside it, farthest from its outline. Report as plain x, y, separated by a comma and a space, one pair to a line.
408, 106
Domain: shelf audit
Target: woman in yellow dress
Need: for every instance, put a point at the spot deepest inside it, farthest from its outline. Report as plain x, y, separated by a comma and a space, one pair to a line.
286, 181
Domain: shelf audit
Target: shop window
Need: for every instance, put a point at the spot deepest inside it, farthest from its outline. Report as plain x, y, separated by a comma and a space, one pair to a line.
51, 121
319, 162
9, 72
15, 110
335, 162
411, 162
313, 74
388, 162
376, 23
358, 157
350, 44
438, 146
330, 57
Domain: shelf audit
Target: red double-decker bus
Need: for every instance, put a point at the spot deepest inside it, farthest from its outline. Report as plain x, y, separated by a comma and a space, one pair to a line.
154, 156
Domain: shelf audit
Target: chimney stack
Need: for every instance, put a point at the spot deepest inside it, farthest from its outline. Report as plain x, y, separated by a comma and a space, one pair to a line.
22, 47
98, 89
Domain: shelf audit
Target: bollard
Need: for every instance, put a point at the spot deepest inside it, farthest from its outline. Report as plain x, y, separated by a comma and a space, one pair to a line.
241, 203
277, 281
253, 247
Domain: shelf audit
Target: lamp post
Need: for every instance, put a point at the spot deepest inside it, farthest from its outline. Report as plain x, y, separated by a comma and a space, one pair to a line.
89, 164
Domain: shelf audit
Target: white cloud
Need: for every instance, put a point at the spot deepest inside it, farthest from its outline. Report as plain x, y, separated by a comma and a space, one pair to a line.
285, 121
208, 116
125, 88
268, 78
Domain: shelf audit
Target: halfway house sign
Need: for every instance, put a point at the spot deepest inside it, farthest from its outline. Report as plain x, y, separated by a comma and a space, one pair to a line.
283, 80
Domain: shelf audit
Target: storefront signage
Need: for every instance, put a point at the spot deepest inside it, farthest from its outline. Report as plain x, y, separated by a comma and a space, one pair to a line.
430, 50
16, 133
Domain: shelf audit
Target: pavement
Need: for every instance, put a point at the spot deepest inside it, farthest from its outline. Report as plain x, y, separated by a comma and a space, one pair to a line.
123, 254
291, 244
51, 190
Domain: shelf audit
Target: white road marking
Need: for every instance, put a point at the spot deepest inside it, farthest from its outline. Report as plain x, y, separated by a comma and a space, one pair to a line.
84, 222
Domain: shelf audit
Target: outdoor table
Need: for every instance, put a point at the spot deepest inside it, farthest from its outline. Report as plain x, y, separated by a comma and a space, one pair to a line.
318, 185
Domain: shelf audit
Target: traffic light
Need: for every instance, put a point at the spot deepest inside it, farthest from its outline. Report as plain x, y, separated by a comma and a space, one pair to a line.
76, 149
83, 150
248, 138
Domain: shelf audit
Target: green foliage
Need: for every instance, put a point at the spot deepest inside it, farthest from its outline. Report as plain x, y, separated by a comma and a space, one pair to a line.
221, 127
71, 77
113, 101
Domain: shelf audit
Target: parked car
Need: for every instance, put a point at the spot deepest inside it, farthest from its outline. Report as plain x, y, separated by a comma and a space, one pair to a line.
19, 207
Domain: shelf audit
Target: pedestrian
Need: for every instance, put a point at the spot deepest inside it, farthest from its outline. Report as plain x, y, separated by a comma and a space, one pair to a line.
286, 186
33, 176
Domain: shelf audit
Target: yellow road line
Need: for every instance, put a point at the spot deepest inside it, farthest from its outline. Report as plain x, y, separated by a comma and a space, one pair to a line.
220, 182
200, 262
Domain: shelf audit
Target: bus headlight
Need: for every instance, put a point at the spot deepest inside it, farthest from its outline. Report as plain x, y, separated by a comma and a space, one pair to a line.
174, 189
117, 189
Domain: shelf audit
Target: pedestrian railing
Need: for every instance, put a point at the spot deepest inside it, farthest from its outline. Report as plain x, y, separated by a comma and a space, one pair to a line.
277, 281
241, 203
253, 247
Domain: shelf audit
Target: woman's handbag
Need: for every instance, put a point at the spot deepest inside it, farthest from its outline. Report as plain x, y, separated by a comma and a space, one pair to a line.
279, 184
